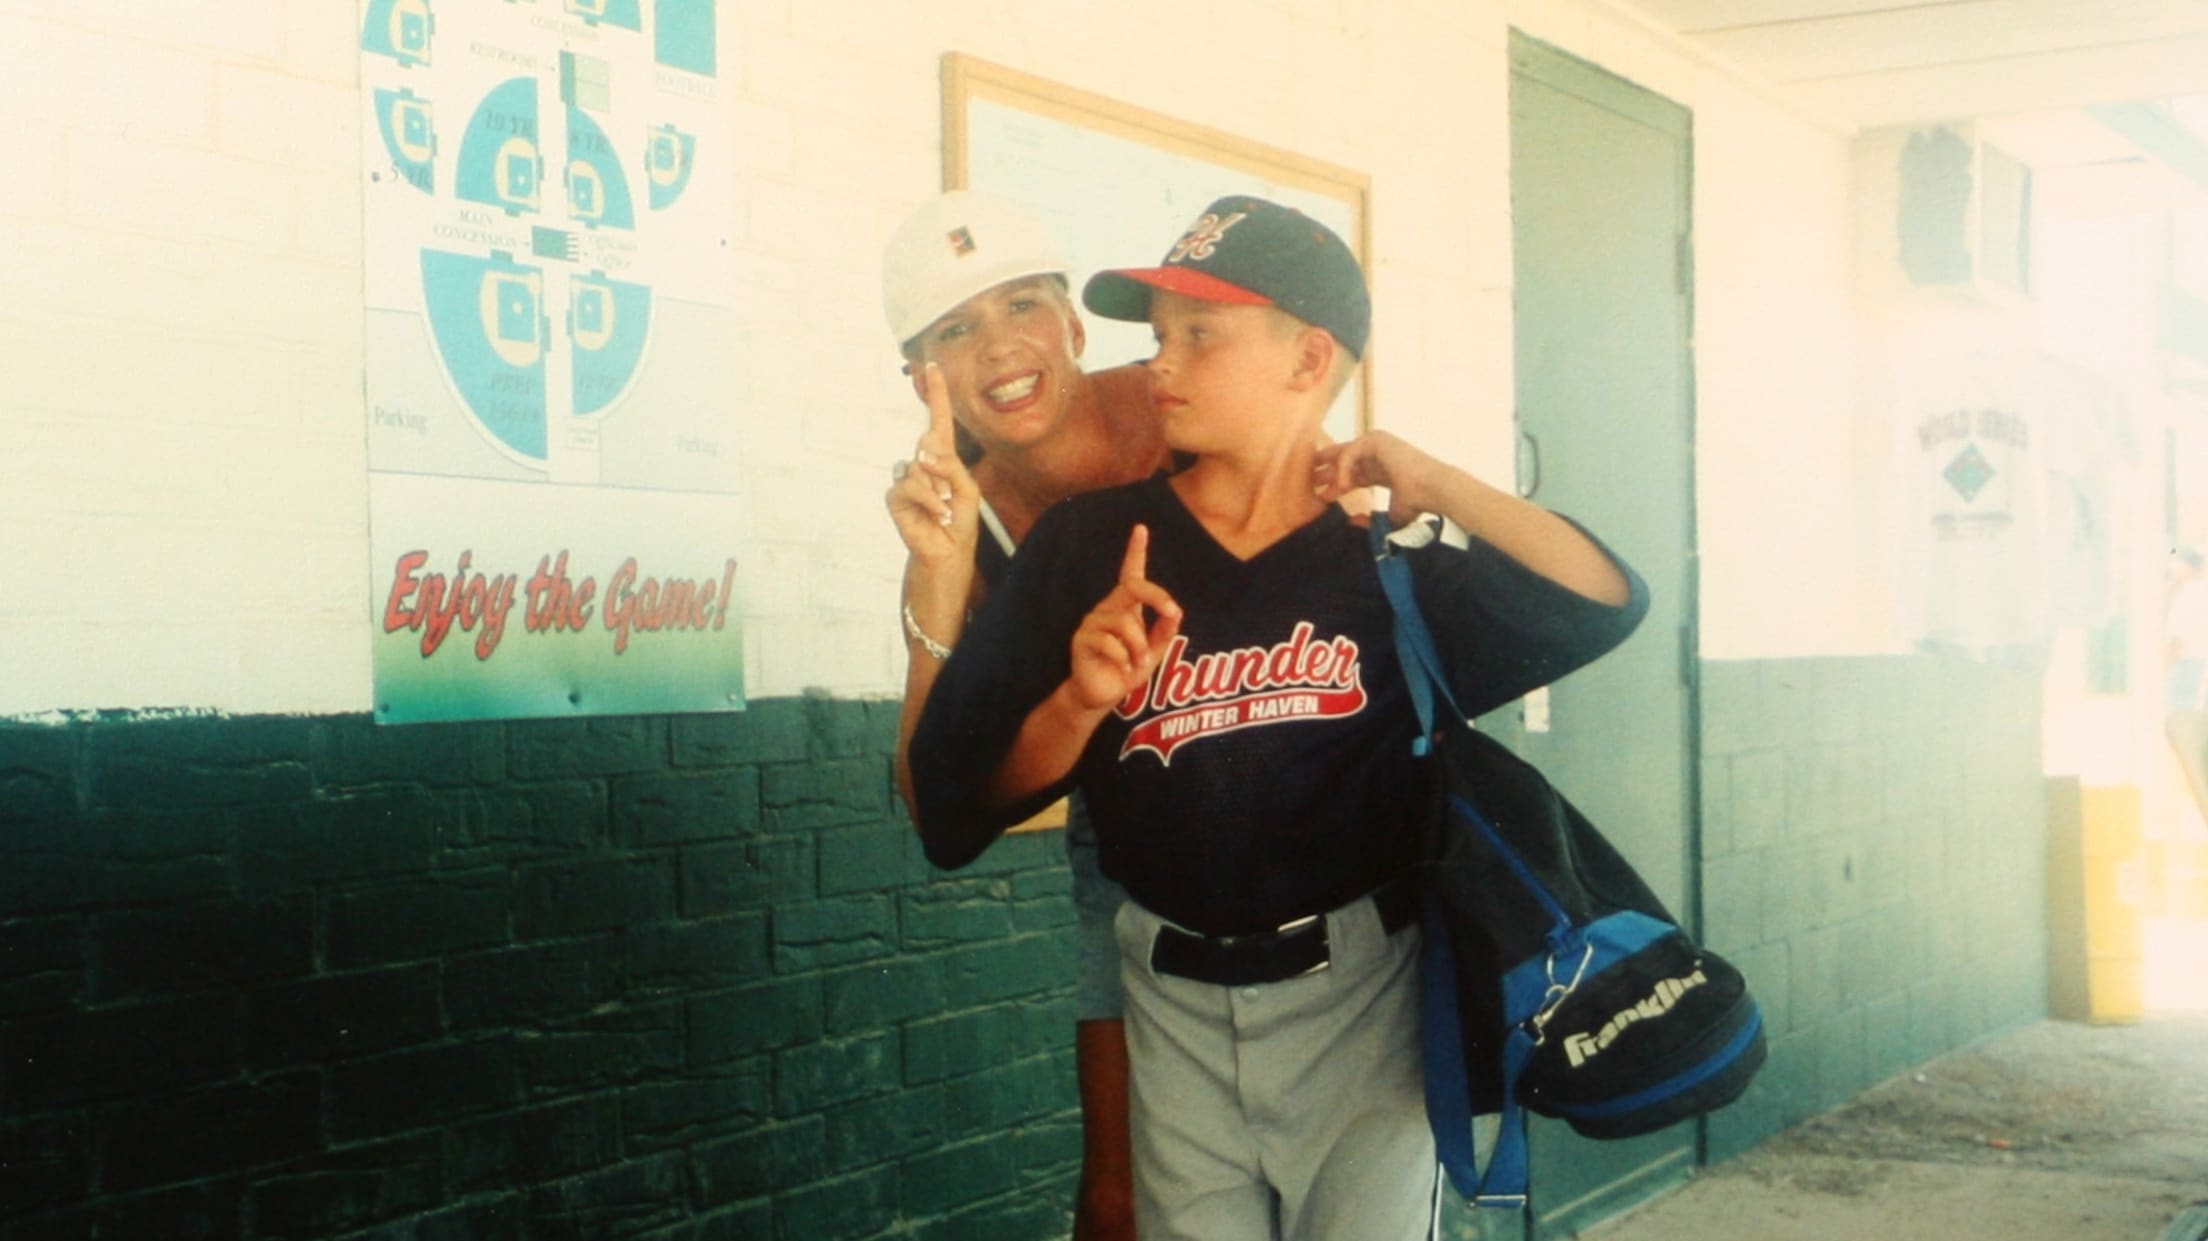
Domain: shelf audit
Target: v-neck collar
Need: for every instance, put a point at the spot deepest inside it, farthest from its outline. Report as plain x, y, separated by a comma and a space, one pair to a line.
1199, 535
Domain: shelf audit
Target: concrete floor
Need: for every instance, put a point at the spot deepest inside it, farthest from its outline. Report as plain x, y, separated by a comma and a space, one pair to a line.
2058, 1132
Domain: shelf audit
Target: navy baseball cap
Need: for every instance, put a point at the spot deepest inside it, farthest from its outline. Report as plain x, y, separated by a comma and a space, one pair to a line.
1250, 252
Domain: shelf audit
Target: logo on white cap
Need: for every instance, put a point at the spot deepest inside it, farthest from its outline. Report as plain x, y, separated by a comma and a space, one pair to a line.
955, 245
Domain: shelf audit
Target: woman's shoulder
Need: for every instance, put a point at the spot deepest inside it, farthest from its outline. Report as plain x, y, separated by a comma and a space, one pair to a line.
1124, 389
1123, 392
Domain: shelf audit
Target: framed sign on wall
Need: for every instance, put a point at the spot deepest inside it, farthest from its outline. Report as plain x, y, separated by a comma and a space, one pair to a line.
1119, 183
555, 461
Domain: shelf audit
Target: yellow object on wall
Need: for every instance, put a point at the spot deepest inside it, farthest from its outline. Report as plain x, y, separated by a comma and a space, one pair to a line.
2115, 897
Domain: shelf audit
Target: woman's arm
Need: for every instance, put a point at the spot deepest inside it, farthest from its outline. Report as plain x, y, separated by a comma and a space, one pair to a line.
936, 507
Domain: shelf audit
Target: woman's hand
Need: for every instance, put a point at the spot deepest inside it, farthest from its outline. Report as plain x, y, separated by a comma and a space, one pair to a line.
1115, 650
933, 500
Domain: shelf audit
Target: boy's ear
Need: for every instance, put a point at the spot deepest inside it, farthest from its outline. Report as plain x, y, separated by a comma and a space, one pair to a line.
1317, 354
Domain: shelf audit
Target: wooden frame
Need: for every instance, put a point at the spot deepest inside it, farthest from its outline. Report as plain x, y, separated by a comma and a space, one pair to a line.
1163, 171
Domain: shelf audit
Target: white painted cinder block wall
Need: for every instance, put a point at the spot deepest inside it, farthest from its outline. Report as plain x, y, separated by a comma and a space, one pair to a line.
183, 485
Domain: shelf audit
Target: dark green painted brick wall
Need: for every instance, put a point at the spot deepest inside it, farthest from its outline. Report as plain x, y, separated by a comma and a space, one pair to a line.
1874, 858
689, 977
652, 977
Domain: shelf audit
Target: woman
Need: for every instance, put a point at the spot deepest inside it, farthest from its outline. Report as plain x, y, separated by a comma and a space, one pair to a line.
976, 296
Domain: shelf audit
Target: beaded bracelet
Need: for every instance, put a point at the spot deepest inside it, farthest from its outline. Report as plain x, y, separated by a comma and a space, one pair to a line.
917, 634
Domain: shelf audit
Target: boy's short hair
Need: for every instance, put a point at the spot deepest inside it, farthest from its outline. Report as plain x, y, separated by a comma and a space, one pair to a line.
1251, 252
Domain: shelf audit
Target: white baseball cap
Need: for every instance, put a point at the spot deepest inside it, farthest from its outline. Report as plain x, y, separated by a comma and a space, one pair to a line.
956, 245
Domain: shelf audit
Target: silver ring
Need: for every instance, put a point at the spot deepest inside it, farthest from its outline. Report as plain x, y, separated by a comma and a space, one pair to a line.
898, 471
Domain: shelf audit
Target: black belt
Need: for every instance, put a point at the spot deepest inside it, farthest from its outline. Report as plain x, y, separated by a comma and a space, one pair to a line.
1289, 951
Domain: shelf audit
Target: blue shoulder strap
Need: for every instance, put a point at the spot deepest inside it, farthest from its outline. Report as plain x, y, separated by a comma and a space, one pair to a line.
1505, 1182
1414, 643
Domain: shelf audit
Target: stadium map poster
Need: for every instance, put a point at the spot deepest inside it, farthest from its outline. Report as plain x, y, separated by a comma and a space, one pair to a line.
552, 461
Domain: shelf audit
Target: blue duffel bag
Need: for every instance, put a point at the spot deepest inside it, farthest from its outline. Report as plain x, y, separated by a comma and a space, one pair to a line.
1554, 981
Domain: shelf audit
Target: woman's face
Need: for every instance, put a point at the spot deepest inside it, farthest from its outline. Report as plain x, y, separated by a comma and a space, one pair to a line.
1009, 356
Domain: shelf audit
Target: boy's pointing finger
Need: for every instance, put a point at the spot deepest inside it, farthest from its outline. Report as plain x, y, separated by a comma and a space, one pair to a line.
1134, 576
1136, 567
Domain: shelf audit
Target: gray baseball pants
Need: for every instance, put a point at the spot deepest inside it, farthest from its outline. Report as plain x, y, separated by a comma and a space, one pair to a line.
1290, 1110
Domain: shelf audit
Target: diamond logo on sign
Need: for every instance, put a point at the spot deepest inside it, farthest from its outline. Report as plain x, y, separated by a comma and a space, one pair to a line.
1968, 473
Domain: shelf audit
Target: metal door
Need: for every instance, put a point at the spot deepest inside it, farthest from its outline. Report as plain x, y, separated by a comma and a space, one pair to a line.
1600, 191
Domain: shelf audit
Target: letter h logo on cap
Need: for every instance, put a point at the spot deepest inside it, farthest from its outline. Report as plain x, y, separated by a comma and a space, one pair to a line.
1202, 239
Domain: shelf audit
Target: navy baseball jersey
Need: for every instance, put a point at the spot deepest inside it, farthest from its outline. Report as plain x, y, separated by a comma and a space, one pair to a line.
1265, 772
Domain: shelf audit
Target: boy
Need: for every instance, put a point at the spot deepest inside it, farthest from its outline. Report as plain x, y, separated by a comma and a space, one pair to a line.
1209, 657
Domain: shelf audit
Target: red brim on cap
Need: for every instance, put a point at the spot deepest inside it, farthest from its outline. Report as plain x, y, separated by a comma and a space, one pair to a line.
1203, 286
1124, 293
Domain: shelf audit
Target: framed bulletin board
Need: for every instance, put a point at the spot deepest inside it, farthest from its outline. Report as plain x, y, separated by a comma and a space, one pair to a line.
1119, 184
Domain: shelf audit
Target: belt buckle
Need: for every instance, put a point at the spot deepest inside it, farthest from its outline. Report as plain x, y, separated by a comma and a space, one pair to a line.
1287, 929
1298, 930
